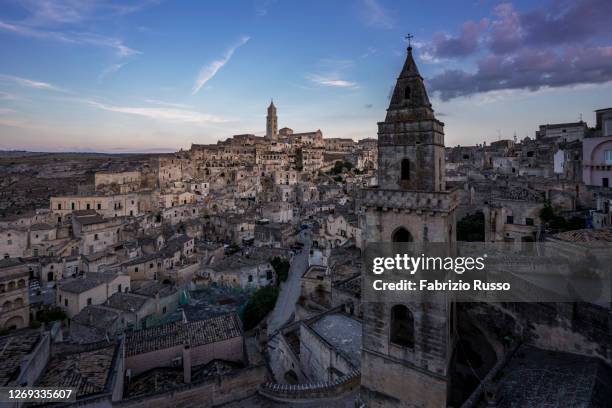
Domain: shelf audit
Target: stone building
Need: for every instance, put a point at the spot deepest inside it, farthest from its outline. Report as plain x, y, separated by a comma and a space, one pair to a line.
411, 203
271, 123
14, 298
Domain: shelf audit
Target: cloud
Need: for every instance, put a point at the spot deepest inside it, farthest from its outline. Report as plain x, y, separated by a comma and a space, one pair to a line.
82, 38
162, 114
466, 43
30, 83
8, 96
376, 15
262, 7
331, 81
209, 71
530, 70
60, 12
110, 70
561, 44
171, 104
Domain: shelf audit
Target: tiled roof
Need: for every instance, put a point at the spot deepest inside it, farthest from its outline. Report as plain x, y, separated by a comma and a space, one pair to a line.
86, 371
196, 333
586, 235
12, 349
127, 302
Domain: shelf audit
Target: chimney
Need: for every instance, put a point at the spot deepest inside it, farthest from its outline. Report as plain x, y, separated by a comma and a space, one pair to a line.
187, 364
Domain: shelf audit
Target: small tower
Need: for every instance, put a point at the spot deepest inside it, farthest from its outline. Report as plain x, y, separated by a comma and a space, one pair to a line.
271, 123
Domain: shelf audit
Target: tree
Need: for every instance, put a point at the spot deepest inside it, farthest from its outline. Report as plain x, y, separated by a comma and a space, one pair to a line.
471, 228
259, 305
281, 267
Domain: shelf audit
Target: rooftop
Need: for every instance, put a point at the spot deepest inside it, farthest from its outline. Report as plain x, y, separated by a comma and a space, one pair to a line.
86, 371
538, 378
195, 333
343, 333
586, 235
127, 302
13, 349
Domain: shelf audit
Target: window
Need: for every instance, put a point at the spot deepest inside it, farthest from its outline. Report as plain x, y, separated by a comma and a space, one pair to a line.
72, 206
605, 182
608, 156
9, 242
99, 206
402, 326
66, 302
528, 221
164, 310
136, 269
250, 278
88, 301
405, 169
88, 206
509, 219
407, 92
95, 237
119, 288
59, 206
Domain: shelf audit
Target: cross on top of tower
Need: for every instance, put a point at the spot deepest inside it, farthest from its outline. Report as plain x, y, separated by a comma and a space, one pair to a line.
409, 37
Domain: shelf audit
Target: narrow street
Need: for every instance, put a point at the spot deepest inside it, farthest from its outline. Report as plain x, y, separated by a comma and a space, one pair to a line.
290, 289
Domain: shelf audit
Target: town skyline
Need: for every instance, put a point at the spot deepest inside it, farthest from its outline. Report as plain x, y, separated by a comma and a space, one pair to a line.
126, 77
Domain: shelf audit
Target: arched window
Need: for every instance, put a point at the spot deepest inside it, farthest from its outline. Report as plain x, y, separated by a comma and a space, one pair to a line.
402, 326
401, 235
407, 92
405, 170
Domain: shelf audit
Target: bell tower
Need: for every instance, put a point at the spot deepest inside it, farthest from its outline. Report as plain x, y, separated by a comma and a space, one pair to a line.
407, 346
271, 123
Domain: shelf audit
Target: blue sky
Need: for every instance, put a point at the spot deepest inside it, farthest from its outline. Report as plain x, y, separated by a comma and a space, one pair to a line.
141, 75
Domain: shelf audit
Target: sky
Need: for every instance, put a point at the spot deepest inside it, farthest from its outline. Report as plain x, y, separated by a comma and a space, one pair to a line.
154, 75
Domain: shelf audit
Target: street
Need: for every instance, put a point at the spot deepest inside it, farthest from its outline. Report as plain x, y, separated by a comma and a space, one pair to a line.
290, 289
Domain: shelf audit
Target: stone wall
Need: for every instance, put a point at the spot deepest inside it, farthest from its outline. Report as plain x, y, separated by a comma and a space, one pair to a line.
210, 392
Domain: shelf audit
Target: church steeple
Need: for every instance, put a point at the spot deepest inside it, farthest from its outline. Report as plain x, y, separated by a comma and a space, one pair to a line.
272, 122
409, 95
411, 139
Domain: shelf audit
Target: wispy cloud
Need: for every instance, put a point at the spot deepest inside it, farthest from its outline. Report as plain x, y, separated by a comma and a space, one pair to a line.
30, 83
262, 7
8, 96
171, 104
162, 114
110, 70
376, 15
82, 38
209, 71
58, 12
331, 73
331, 81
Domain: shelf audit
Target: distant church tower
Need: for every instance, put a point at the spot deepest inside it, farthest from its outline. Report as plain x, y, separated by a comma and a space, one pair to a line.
407, 346
271, 123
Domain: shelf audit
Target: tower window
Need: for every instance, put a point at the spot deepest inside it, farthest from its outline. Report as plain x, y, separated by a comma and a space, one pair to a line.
407, 92
402, 326
405, 170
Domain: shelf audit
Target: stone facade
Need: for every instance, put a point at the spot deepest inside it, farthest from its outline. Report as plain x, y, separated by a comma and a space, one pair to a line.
411, 203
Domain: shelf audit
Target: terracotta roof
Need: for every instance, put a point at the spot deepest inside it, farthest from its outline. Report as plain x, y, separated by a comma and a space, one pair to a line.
195, 333
586, 235
86, 371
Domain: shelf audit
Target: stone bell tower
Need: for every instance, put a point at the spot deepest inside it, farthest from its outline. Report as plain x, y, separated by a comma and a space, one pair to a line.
407, 346
271, 123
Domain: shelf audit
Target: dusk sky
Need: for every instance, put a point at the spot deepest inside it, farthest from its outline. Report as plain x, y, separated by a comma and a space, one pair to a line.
121, 76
